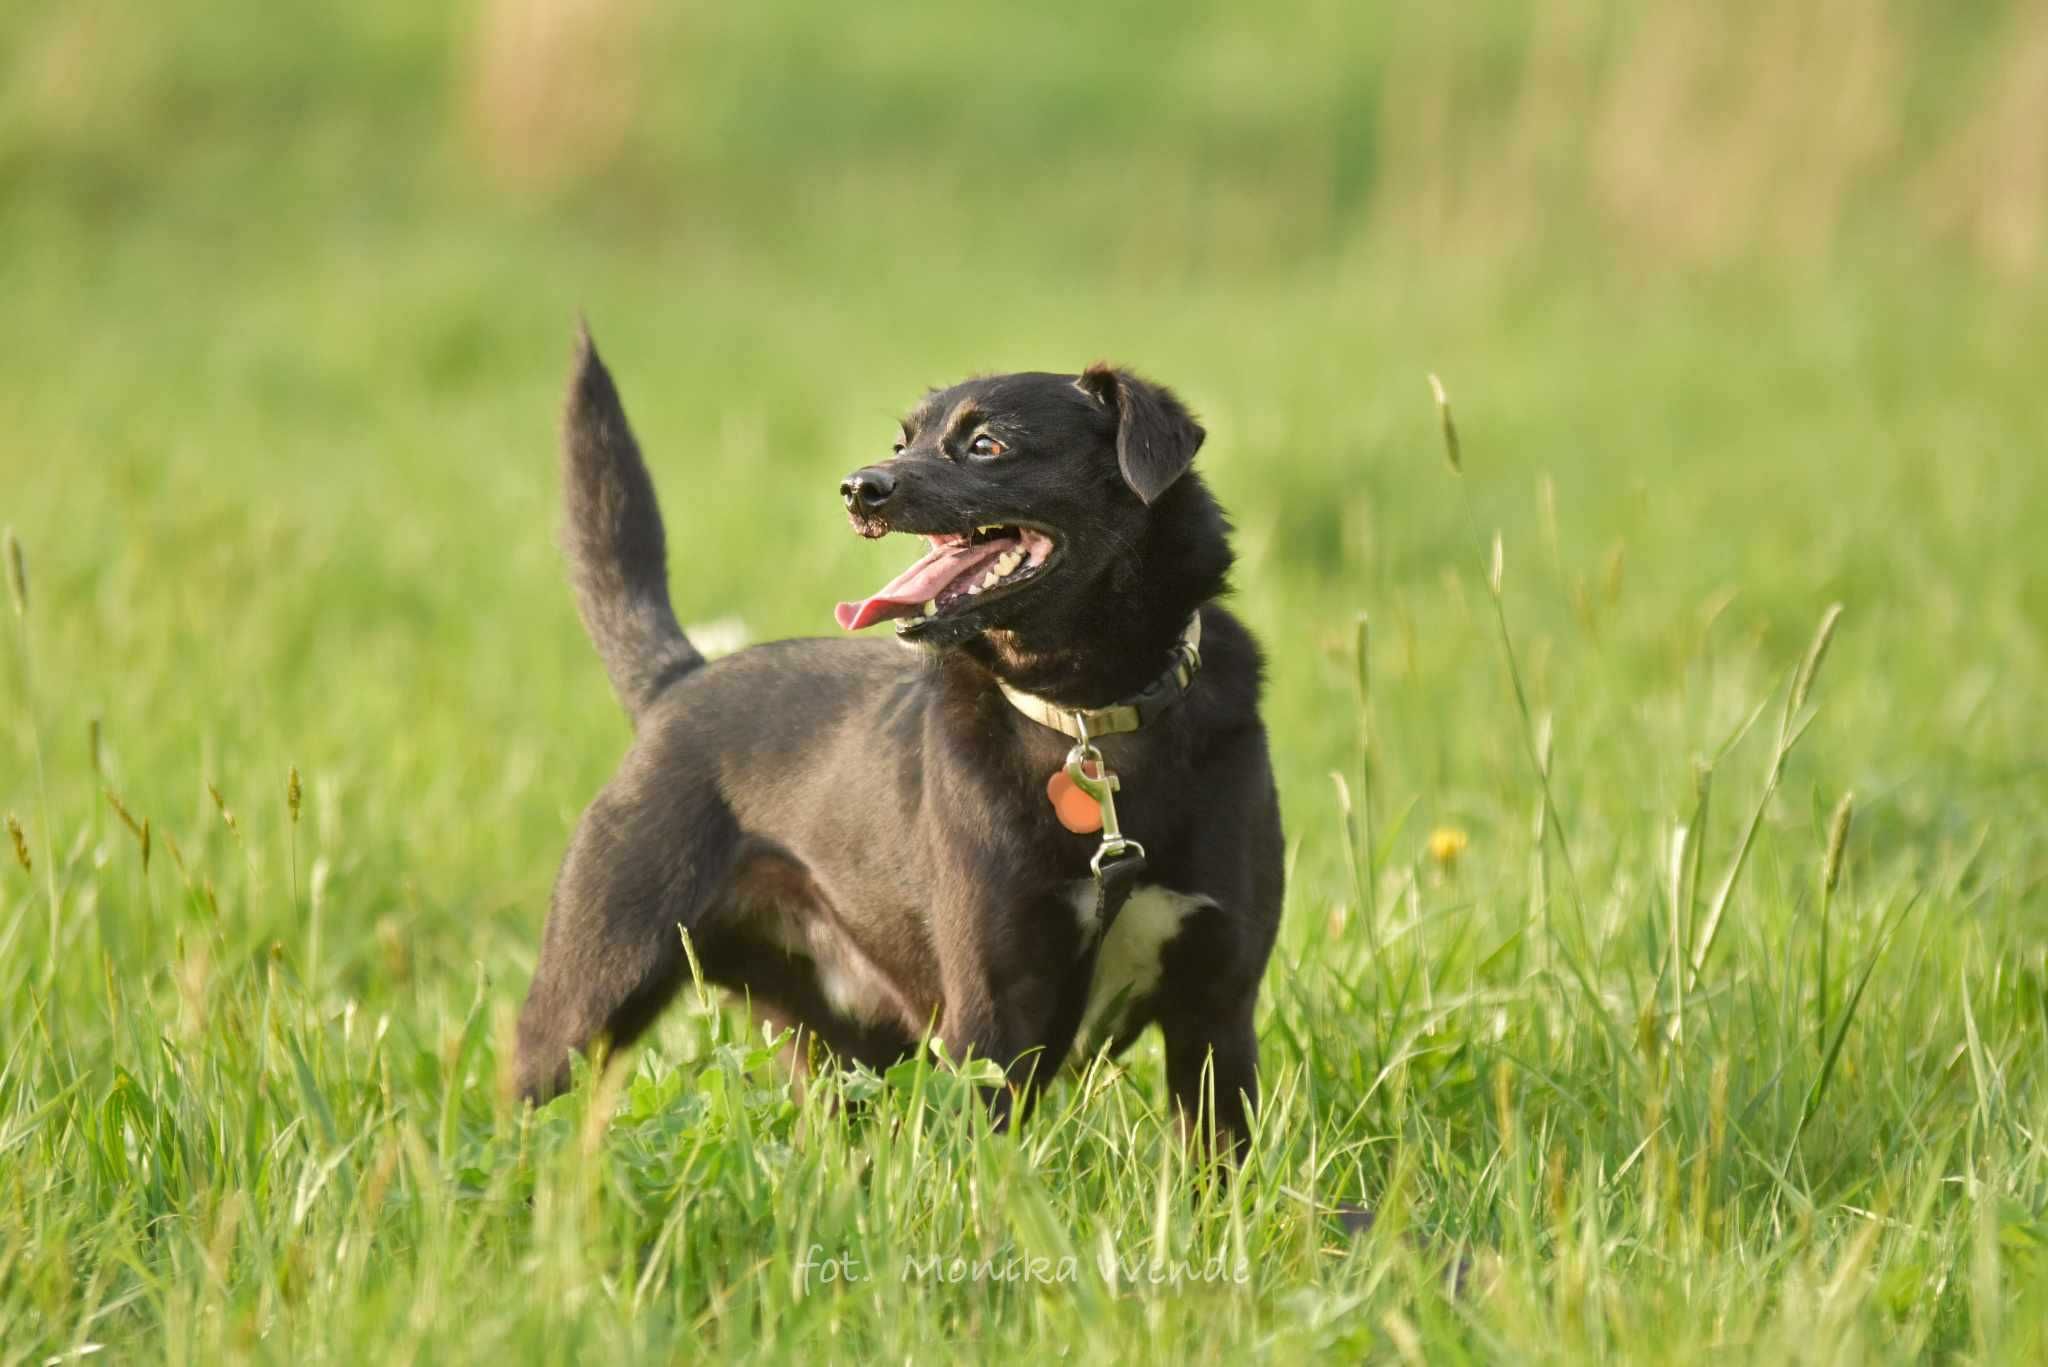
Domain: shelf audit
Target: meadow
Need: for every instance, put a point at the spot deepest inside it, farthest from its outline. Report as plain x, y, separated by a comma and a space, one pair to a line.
1664, 959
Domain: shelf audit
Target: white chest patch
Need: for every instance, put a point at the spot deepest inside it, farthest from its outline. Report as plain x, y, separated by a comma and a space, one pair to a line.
1127, 967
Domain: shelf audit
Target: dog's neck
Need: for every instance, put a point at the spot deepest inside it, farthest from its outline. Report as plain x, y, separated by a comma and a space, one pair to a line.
1080, 672
1105, 644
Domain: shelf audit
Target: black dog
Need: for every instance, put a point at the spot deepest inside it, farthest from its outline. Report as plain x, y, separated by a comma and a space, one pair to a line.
863, 838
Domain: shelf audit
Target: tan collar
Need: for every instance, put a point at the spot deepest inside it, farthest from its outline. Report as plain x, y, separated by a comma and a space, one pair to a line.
1084, 723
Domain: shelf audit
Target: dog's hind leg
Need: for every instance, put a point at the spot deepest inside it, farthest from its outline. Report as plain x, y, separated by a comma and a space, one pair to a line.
647, 862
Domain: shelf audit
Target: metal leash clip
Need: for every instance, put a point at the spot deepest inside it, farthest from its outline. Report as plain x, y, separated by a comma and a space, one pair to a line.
1102, 786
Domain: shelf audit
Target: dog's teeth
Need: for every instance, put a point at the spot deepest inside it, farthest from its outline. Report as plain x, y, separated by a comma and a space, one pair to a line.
931, 607
1008, 561
973, 589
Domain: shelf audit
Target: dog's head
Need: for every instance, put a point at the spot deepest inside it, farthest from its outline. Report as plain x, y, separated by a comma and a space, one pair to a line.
1048, 502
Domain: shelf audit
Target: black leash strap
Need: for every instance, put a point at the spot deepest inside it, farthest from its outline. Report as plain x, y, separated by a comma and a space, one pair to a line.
1115, 880
1118, 860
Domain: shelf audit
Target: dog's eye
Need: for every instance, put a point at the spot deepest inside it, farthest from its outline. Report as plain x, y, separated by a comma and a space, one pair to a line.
897, 446
986, 447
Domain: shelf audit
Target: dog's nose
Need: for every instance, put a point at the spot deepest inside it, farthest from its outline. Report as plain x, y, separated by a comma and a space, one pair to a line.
866, 491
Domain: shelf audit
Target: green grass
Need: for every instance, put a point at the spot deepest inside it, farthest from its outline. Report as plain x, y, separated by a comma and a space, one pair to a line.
288, 327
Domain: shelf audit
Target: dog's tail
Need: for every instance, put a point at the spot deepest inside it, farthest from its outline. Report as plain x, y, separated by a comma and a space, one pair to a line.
618, 558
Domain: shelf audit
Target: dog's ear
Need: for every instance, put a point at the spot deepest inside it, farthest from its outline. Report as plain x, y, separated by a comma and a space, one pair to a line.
1156, 436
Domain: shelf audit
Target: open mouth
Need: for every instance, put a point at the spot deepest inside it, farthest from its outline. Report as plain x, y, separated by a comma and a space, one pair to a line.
960, 571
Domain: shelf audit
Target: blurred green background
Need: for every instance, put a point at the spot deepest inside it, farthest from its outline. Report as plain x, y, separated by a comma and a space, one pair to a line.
1743, 309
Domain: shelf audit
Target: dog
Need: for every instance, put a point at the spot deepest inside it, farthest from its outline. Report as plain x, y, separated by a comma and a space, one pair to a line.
1048, 825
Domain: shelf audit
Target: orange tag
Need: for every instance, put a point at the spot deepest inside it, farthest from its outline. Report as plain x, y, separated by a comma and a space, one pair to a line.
1077, 811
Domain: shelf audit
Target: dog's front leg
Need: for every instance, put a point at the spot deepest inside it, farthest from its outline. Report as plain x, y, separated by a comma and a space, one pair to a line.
1007, 1027
1212, 970
1009, 974
1212, 1068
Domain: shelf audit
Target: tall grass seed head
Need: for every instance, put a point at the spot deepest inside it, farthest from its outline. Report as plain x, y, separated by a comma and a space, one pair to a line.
17, 575
20, 840
1809, 668
121, 810
1838, 840
227, 814
1450, 428
1364, 660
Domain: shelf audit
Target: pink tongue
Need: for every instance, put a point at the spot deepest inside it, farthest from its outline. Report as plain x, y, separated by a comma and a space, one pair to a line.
908, 592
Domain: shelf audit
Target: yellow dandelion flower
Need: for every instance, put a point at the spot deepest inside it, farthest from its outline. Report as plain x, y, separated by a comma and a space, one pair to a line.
1446, 843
